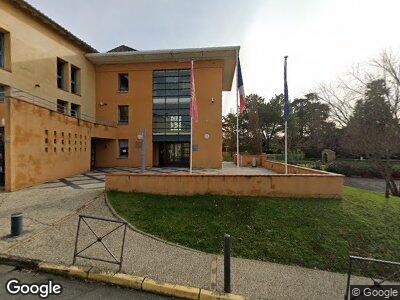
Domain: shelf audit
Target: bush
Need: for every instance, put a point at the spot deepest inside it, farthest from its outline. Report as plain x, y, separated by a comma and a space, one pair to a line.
295, 155
360, 168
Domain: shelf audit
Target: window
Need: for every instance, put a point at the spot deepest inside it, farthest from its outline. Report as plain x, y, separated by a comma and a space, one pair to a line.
171, 103
123, 114
75, 110
2, 50
2, 93
62, 106
61, 66
75, 80
123, 148
123, 82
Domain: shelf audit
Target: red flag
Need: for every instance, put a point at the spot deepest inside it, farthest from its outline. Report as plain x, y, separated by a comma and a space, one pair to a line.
193, 101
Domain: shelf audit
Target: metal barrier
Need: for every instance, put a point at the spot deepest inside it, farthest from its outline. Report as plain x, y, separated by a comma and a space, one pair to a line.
377, 283
99, 239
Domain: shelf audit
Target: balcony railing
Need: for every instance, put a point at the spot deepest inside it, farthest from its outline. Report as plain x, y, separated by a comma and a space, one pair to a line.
53, 106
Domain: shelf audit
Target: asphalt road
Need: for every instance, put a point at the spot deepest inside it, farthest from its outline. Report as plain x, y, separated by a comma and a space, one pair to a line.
72, 289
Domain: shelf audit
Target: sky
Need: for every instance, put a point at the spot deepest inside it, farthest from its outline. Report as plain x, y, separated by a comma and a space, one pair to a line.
323, 38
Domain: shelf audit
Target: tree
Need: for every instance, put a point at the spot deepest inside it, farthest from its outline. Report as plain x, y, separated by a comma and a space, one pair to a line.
271, 121
229, 132
309, 127
342, 95
373, 131
252, 125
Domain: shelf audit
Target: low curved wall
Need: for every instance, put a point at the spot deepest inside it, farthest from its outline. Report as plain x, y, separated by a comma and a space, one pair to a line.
281, 185
279, 167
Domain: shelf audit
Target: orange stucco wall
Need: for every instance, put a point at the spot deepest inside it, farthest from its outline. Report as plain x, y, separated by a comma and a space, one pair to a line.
140, 101
292, 169
34, 48
46, 145
314, 186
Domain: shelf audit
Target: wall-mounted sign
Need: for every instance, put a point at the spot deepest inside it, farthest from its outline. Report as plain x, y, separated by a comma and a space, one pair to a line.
195, 147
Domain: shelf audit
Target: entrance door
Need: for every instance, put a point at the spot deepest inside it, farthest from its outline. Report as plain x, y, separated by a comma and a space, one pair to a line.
2, 171
174, 154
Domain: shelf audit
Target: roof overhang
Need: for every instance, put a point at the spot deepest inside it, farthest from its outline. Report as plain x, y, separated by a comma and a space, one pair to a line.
226, 54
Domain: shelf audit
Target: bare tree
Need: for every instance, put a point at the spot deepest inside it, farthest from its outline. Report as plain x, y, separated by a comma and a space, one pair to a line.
373, 131
342, 95
389, 66
340, 100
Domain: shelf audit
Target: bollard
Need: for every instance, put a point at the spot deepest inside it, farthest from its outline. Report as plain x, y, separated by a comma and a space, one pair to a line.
227, 263
16, 224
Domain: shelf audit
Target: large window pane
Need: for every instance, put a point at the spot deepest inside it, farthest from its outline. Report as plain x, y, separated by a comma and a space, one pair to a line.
171, 79
159, 80
159, 73
171, 73
171, 100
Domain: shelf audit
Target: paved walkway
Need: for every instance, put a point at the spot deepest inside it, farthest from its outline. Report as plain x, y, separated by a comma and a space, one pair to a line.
95, 179
41, 208
146, 256
372, 184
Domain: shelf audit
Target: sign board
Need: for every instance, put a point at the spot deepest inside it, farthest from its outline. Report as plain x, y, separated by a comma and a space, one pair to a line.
195, 147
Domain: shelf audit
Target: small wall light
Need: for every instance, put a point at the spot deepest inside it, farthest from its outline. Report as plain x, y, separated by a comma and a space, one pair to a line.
103, 103
212, 100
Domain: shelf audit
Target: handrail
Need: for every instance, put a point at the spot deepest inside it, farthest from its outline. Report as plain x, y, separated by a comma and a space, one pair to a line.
50, 105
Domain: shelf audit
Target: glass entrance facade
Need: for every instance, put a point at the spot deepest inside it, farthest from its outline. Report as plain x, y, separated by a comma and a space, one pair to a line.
171, 105
171, 116
174, 154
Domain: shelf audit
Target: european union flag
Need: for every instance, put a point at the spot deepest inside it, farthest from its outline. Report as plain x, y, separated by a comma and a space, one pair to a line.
286, 108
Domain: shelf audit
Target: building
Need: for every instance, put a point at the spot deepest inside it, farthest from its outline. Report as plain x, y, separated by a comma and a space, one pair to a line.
66, 108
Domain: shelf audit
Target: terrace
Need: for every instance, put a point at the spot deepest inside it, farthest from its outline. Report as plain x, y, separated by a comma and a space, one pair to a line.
266, 180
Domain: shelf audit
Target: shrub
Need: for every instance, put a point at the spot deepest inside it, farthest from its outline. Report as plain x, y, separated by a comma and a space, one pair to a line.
360, 168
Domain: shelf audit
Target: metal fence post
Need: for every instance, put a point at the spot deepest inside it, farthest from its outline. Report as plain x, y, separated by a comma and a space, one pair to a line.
346, 295
227, 263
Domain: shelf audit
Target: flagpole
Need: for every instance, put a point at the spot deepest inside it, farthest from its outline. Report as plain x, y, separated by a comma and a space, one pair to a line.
286, 112
237, 111
191, 144
191, 116
286, 147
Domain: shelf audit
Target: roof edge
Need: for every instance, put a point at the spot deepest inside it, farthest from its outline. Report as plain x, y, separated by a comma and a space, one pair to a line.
34, 12
164, 51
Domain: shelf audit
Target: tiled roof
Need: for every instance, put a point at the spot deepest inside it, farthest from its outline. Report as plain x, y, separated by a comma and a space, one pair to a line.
122, 48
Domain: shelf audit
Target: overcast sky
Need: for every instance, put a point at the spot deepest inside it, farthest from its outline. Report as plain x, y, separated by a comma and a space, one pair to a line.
323, 38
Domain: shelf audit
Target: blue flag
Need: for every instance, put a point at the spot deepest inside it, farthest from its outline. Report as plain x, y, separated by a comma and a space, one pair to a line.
286, 108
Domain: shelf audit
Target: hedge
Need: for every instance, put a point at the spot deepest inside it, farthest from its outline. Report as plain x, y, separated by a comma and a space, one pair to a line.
360, 168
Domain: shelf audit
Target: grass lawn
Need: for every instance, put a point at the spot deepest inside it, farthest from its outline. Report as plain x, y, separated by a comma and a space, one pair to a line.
315, 233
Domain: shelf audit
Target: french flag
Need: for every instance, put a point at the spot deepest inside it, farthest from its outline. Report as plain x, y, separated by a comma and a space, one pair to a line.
240, 87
